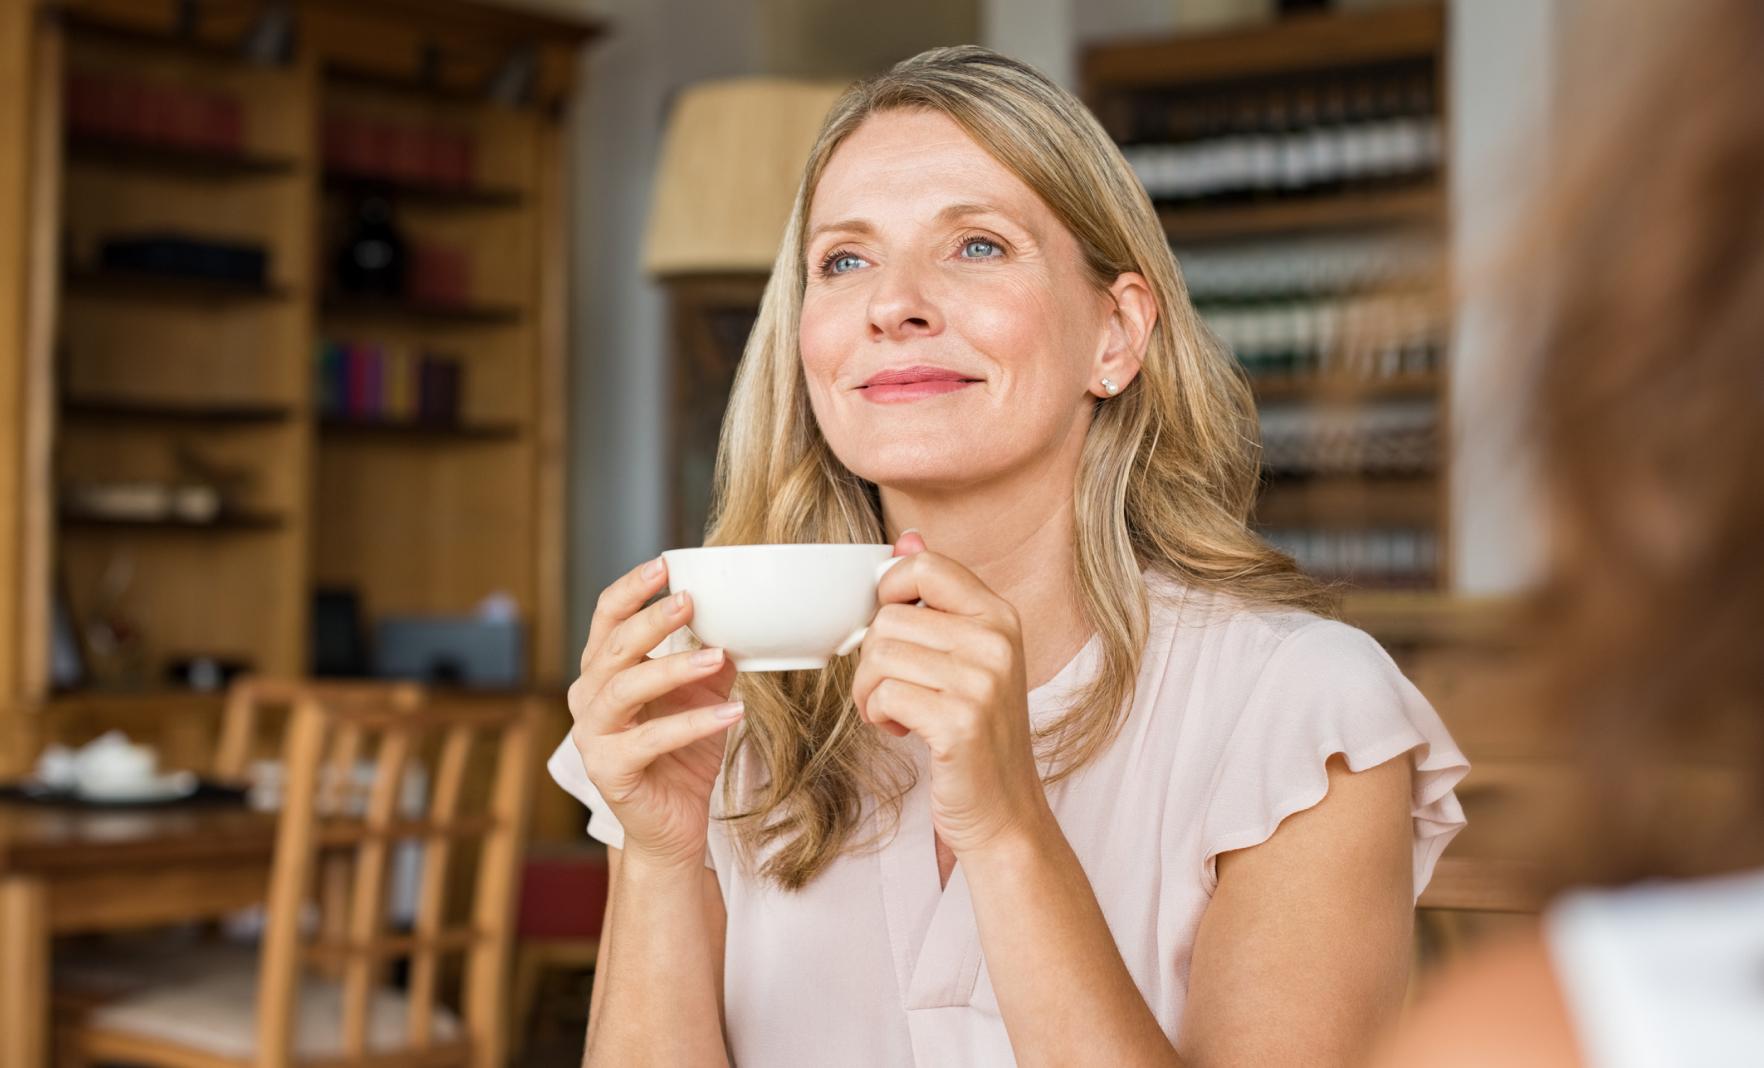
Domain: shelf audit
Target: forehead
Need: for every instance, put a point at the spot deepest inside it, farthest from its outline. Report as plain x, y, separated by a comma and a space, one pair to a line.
917, 160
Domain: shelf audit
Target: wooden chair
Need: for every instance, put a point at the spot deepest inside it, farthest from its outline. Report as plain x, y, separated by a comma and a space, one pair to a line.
272, 1011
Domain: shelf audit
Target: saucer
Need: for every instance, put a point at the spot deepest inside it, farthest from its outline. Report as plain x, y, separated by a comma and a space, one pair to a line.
165, 787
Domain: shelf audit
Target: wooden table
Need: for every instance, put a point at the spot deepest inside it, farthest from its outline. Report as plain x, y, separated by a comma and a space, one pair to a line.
66, 870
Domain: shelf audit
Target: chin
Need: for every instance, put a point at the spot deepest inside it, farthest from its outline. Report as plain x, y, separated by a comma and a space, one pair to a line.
919, 465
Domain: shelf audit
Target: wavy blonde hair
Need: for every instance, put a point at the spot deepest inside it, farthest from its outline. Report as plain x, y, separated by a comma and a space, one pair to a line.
1168, 473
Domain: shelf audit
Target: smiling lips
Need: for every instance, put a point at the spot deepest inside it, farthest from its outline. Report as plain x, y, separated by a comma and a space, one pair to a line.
912, 383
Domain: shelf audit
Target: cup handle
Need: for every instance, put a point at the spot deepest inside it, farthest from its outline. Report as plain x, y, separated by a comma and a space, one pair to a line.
856, 637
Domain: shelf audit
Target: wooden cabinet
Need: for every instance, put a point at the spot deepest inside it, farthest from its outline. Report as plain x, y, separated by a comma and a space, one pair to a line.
177, 450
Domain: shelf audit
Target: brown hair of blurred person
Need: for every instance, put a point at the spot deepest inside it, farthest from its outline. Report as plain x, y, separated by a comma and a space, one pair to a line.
1650, 421
1641, 285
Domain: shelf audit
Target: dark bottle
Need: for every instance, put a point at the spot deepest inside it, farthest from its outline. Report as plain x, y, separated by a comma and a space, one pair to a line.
371, 261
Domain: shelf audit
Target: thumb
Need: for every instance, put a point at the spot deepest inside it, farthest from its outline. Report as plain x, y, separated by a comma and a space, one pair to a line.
910, 542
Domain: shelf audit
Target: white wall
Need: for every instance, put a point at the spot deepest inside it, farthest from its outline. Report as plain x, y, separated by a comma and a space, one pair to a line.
619, 337
1503, 67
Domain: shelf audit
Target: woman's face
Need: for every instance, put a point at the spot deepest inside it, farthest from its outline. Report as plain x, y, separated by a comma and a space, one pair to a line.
931, 264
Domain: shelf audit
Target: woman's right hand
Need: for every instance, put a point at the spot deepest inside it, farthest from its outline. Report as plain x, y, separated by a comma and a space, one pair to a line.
650, 732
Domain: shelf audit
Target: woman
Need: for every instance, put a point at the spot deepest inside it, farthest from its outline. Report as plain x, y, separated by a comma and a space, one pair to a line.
1037, 816
1646, 294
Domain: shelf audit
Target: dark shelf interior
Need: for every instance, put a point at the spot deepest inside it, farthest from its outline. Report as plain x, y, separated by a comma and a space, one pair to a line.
394, 429
182, 160
154, 411
402, 308
225, 521
151, 284
417, 191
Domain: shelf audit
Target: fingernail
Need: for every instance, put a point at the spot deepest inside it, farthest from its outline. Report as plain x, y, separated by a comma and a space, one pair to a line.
707, 657
910, 530
653, 569
680, 601
732, 710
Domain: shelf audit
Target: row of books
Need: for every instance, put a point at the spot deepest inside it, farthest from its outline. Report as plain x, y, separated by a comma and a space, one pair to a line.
390, 150
374, 383
117, 108
1376, 557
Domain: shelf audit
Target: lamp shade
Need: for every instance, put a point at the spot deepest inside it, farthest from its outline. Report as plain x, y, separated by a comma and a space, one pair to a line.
731, 159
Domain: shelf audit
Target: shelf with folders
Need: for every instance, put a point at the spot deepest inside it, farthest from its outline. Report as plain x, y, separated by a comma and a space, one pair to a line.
1299, 169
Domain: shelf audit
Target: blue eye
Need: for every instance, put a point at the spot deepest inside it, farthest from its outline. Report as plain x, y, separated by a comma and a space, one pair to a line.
831, 262
983, 242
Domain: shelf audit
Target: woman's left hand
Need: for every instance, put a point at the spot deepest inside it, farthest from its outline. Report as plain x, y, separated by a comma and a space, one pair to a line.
951, 671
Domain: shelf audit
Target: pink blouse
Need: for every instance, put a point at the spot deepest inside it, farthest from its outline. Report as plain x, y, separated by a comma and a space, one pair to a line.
1236, 712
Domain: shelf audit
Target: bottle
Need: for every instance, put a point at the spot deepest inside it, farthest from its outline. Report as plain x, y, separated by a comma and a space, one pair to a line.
371, 261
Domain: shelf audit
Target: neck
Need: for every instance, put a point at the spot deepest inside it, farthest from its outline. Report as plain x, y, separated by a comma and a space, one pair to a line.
1018, 538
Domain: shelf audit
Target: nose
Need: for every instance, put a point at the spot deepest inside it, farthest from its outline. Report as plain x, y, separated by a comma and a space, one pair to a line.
900, 308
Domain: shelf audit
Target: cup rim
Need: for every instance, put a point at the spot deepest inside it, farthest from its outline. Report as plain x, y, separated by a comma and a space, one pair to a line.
804, 546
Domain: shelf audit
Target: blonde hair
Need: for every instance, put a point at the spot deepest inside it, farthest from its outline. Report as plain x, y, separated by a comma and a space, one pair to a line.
1168, 473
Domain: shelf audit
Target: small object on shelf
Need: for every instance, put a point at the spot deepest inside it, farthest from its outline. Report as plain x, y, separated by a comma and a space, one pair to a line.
182, 256
371, 261
206, 674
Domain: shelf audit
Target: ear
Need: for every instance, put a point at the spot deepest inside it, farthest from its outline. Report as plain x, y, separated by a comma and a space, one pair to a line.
1132, 313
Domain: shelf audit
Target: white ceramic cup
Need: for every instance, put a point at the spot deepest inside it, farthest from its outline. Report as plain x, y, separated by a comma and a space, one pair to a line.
781, 607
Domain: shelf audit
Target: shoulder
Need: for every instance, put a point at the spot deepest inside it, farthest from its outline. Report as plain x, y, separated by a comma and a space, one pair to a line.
1256, 645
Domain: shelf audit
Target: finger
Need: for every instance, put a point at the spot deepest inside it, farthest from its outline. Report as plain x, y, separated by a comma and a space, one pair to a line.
940, 583
631, 640
617, 703
621, 600
642, 745
892, 658
916, 708
910, 542
926, 626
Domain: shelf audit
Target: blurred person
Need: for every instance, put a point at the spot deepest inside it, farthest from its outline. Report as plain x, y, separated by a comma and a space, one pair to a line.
1104, 784
1644, 287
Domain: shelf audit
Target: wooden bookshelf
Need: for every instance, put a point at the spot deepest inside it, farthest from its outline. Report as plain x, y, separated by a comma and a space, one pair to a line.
1285, 87
132, 376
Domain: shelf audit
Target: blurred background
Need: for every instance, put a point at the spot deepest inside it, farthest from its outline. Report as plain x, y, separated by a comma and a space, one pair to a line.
369, 340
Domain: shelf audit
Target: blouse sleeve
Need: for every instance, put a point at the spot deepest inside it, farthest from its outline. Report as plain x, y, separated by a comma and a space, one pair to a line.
566, 769
1329, 688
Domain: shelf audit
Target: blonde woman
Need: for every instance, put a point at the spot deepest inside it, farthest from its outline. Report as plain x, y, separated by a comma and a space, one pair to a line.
1115, 793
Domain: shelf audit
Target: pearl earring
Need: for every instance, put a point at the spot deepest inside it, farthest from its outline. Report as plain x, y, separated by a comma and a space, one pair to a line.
1111, 387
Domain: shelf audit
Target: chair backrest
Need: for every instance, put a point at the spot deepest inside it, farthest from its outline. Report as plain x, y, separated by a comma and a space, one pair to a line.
325, 815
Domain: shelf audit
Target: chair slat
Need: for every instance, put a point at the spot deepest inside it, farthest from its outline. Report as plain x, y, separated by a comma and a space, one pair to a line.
432, 898
367, 906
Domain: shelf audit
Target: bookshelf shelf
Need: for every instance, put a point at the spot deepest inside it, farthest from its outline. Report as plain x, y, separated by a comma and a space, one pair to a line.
421, 312
126, 410
427, 193
176, 160
148, 285
223, 523
1415, 206
395, 430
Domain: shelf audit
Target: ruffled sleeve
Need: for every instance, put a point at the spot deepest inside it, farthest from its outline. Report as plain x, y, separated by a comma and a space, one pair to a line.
566, 769
1329, 688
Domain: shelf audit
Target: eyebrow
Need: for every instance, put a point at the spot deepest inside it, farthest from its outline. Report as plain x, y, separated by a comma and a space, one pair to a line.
948, 214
